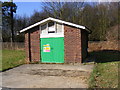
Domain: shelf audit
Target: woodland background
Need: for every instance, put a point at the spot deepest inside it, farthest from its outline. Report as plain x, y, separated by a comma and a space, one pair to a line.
101, 18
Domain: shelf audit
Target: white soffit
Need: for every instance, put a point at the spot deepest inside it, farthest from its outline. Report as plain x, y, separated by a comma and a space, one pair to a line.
56, 20
51, 35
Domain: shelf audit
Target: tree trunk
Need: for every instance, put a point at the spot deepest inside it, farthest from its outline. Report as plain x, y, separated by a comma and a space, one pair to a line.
12, 32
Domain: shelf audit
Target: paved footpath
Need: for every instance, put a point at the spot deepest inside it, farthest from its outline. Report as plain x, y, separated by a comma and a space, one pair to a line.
47, 76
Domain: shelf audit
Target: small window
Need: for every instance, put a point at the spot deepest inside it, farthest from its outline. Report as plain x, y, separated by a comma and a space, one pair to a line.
51, 27
51, 24
44, 29
59, 28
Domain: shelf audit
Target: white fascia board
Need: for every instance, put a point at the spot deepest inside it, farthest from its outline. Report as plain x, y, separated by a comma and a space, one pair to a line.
53, 19
34, 25
68, 23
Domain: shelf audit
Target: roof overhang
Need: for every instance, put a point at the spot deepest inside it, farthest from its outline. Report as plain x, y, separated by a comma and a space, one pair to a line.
55, 20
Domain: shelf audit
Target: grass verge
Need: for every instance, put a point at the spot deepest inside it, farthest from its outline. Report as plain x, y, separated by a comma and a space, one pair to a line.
12, 58
105, 73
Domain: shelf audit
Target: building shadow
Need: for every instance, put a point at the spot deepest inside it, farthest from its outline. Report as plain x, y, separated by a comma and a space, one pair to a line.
103, 56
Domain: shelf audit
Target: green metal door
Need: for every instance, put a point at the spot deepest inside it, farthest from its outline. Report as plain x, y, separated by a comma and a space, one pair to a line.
52, 50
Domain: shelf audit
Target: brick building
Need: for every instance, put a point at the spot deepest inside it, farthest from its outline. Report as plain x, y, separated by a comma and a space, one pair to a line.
56, 41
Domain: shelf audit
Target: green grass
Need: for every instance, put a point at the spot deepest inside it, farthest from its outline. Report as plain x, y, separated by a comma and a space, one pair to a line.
105, 72
104, 75
12, 58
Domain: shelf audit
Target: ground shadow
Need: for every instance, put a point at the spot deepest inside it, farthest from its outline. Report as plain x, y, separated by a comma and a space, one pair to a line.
103, 56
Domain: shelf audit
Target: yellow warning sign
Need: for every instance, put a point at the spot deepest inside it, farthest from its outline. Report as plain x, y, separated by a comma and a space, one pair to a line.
46, 45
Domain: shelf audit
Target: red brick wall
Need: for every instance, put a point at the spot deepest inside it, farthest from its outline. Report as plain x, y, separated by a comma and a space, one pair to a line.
33, 47
72, 42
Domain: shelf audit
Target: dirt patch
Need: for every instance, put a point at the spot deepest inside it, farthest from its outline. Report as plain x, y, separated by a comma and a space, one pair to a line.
58, 72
